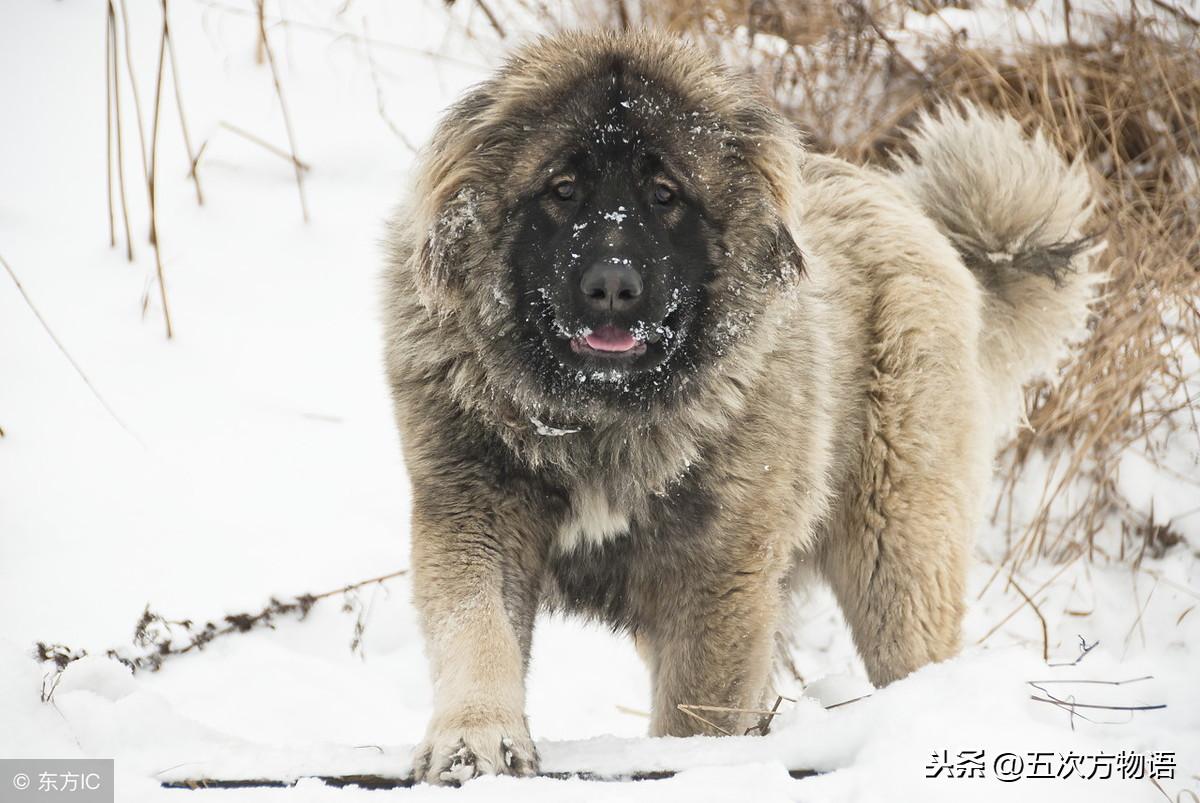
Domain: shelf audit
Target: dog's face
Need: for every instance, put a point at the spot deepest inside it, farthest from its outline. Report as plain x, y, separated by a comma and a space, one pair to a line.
632, 237
613, 250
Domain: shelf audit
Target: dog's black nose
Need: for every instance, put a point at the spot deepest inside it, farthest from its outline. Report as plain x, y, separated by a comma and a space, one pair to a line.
610, 285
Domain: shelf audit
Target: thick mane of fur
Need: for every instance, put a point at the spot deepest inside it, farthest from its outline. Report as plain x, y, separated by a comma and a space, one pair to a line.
453, 226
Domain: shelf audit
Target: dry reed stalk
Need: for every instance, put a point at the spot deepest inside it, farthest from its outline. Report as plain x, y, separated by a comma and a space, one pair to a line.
262, 143
1042, 619
1128, 106
691, 713
108, 137
155, 636
137, 100
379, 100
265, 44
114, 123
187, 139
341, 34
1017, 609
153, 180
63, 350
491, 18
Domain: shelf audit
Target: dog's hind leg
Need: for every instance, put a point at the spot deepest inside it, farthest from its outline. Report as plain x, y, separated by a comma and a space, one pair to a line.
895, 550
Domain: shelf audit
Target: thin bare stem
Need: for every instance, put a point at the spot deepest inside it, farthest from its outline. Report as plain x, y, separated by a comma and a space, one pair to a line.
63, 349
1017, 610
108, 124
287, 120
379, 103
360, 584
154, 238
491, 18
1042, 619
846, 702
187, 139
343, 35
115, 74
688, 710
1178, 12
262, 143
1157, 707
1039, 683
137, 100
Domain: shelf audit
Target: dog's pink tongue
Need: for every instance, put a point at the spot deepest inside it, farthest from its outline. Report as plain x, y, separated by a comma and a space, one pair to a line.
611, 338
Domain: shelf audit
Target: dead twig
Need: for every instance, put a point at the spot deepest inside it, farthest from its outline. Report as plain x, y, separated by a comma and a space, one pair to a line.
491, 18
187, 139
1141, 612
846, 702
1070, 705
1017, 609
370, 781
259, 141
1042, 619
108, 123
63, 349
137, 100
688, 709
343, 35
1084, 649
1037, 684
1177, 12
860, 8
1055, 701
157, 638
287, 119
154, 238
763, 726
379, 102
114, 126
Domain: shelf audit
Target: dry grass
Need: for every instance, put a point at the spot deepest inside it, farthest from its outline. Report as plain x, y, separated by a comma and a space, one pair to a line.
1121, 92
1130, 106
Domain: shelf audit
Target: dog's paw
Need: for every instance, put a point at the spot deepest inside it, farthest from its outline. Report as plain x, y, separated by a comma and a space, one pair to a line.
457, 749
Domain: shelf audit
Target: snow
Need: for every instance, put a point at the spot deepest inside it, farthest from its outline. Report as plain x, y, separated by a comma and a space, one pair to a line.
259, 458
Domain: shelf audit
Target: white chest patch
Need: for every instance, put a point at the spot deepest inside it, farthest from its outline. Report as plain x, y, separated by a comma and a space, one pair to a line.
592, 520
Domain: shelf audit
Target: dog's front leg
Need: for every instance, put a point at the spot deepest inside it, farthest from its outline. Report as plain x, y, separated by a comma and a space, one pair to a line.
713, 647
475, 581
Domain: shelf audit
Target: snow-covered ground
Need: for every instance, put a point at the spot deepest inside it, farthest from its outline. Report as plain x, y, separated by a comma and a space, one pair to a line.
258, 458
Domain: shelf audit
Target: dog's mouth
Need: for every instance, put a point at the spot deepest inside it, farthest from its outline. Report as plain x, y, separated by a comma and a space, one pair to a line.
609, 342
613, 349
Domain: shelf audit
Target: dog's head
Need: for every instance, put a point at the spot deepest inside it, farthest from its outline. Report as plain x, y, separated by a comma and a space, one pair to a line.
609, 216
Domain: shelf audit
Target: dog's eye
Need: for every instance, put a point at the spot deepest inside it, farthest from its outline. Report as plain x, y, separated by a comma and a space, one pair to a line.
564, 190
663, 194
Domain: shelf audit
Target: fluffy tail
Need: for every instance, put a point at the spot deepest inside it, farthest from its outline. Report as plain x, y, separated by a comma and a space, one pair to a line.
1015, 210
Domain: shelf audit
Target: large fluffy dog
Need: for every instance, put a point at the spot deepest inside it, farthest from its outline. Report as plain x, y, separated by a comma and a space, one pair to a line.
651, 360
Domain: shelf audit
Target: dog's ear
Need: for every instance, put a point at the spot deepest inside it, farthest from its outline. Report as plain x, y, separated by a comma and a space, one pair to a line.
445, 245
786, 260
772, 146
449, 205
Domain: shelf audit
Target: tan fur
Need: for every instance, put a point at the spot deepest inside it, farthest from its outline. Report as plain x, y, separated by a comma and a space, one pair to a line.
845, 420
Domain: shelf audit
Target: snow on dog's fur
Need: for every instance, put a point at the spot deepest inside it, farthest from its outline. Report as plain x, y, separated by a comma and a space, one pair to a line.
650, 358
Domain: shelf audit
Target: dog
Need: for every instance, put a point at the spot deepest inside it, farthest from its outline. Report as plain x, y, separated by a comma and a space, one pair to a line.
652, 362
